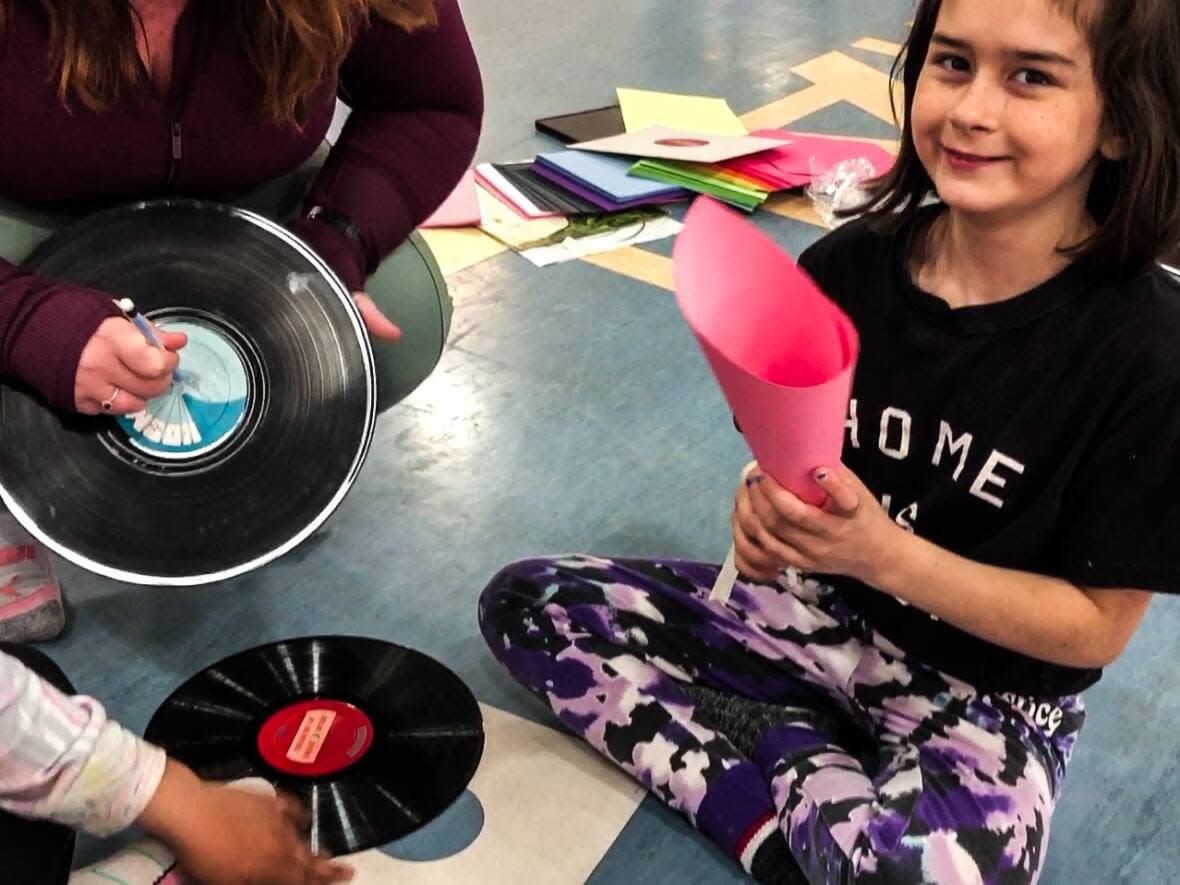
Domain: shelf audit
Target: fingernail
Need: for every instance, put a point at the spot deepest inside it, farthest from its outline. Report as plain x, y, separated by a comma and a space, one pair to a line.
821, 474
754, 480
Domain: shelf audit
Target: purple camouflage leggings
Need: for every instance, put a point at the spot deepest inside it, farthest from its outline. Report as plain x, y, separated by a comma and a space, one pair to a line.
959, 786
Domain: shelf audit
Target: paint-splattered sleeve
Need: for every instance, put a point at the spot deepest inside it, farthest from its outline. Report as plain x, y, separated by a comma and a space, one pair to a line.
61, 758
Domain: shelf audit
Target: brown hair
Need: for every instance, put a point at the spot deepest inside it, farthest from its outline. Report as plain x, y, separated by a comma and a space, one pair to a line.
291, 44
1136, 199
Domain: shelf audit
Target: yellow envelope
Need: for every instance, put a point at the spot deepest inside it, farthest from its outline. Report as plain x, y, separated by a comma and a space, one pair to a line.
642, 108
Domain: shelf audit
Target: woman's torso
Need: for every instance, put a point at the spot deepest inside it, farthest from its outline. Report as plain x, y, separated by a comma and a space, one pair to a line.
199, 132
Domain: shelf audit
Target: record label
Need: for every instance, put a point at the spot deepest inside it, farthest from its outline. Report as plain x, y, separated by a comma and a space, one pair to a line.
200, 412
315, 738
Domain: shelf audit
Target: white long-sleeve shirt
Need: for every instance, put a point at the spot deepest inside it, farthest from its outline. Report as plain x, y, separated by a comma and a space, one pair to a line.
61, 758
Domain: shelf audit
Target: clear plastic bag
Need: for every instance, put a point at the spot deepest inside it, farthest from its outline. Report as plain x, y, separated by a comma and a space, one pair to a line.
840, 187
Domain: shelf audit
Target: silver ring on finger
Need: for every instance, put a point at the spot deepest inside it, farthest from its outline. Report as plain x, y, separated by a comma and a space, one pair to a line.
109, 402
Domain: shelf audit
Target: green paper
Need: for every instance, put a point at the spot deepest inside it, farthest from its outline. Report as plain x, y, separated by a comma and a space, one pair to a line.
745, 198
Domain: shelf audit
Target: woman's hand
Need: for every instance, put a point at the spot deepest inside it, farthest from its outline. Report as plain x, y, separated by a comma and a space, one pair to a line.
379, 325
119, 366
773, 529
226, 836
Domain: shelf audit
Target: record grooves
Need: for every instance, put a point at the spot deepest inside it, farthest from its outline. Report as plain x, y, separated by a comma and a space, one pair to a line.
376, 739
244, 457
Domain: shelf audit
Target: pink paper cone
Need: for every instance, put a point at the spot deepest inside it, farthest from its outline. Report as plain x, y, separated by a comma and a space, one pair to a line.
782, 351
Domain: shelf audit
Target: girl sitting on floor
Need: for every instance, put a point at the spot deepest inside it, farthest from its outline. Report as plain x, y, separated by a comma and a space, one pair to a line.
915, 670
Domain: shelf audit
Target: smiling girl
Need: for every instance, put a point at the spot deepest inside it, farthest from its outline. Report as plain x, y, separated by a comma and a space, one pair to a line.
893, 690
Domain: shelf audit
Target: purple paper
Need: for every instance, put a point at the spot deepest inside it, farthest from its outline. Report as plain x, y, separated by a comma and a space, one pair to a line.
596, 198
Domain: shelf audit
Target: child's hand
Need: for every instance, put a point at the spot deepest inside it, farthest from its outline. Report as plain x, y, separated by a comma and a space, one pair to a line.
773, 529
226, 836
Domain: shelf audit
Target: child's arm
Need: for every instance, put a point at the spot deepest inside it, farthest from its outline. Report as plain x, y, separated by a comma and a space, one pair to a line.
61, 758
1046, 618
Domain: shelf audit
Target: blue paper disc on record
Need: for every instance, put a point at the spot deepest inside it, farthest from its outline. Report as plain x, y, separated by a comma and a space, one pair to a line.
256, 442
201, 411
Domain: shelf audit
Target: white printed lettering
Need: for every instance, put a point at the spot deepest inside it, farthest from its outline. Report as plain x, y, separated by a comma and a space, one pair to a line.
903, 447
907, 517
988, 476
960, 446
852, 425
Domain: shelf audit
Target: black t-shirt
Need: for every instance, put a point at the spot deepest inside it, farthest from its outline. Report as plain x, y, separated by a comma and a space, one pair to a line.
1039, 433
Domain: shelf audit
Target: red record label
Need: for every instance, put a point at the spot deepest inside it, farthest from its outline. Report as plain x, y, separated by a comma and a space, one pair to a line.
315, 738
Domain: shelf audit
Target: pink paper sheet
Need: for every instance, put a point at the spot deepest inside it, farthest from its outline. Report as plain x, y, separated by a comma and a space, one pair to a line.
461, 208
827, 152
776, 168
505, 196
782, 352
790, 165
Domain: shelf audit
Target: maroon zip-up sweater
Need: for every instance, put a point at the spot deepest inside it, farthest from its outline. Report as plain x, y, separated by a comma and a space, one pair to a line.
417, 105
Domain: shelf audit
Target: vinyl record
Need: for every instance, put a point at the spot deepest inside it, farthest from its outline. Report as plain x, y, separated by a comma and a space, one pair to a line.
258, 440
376, 739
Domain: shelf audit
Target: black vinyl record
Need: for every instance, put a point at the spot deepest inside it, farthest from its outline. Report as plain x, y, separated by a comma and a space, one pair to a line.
246, 456
376, 739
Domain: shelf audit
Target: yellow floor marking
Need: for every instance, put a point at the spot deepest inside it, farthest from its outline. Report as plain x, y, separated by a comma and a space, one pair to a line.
857, 83
793, 107
795, 206
881, 47
457, 249
636, 263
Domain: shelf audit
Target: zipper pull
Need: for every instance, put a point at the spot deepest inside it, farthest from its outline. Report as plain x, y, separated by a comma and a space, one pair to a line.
177, 151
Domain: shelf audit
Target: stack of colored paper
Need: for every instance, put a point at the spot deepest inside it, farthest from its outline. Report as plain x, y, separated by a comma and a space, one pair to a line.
530, 195
774, 170
747, 181
704, 178
802, 156
683, 143
603, 180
